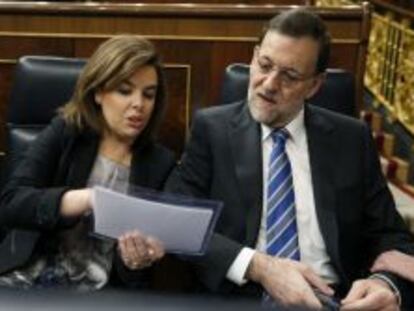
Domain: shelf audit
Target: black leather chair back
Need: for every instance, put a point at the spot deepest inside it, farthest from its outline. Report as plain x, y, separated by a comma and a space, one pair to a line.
336, 94
41, 85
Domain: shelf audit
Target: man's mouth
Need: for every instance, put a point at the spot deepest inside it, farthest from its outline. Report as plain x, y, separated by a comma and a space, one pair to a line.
267, 99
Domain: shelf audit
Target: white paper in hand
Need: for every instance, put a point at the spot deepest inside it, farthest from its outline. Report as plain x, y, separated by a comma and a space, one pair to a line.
181, 229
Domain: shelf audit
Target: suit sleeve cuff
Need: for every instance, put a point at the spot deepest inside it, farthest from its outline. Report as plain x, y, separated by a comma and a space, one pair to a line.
238, 268
390, 283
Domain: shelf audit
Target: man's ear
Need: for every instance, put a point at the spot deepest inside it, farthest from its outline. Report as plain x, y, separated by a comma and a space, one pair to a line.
255, 50
317, 82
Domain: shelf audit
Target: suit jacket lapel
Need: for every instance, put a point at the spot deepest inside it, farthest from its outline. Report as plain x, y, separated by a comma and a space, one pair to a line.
84, 158
84, 155
322, 163
245, 142
141, 167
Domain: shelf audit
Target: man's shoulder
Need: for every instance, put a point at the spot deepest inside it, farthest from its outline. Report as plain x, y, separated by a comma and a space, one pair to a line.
335, 118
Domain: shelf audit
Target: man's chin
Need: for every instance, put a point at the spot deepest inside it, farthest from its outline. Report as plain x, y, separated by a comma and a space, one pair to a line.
263, 117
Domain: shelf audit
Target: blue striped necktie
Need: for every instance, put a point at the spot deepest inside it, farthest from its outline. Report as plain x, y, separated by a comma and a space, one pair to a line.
281, 227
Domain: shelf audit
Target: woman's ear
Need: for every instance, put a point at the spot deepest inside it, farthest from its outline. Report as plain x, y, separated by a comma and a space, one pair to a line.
98, 98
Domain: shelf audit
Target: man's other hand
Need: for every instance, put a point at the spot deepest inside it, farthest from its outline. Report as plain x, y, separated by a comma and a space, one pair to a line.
370, 294
288, 282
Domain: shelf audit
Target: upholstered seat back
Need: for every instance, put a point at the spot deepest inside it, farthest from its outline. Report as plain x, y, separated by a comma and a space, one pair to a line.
41, 85
337, 93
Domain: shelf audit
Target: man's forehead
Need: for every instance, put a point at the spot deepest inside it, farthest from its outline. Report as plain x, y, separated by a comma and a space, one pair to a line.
277, 38
297, 49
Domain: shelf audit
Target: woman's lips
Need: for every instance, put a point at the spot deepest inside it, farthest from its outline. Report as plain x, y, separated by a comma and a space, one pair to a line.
135, 122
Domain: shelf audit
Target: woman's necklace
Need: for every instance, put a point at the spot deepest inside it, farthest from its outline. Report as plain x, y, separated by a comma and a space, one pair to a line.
116, 152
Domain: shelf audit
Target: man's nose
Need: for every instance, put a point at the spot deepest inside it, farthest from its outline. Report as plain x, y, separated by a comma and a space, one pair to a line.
272, 82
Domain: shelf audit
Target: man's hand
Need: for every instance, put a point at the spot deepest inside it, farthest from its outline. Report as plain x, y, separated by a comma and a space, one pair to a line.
370, 294
395, 262
288, 282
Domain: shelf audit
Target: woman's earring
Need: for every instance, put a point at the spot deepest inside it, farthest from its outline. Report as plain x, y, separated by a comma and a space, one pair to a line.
98, 100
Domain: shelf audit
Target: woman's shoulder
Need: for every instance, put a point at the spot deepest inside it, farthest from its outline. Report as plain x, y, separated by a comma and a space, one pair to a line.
60, 126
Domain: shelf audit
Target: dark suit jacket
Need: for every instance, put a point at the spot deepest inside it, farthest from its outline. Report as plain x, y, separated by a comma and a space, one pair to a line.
60, 159
355, 209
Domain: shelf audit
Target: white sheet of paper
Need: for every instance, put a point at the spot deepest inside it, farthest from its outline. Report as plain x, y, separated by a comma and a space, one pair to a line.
179, 228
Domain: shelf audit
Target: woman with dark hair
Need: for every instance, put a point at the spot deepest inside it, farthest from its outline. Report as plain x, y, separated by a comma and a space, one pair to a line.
103, 136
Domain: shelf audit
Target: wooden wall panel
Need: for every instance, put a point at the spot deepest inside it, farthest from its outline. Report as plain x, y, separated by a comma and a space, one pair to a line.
6, 79
14, 47
278, 2
196, 41
174, 127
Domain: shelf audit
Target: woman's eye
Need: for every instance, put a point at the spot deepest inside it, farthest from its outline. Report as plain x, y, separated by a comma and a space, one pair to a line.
124, 90
149, 95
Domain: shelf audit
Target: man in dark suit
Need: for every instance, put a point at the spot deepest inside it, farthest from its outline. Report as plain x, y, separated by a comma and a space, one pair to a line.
343, 214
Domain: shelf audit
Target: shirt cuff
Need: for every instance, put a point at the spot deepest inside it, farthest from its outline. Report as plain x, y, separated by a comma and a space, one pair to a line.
390, 283
238, 268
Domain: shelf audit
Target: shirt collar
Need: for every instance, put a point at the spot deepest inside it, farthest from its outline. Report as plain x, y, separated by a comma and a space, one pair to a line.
296, 127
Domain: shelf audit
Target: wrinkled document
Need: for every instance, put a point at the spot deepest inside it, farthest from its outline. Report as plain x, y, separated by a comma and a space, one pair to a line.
184, 226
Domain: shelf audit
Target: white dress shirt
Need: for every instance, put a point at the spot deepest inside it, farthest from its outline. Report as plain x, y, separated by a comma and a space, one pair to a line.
311, 244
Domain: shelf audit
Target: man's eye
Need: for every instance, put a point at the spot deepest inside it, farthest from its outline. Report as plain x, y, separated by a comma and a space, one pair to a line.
289, 77
264, 67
